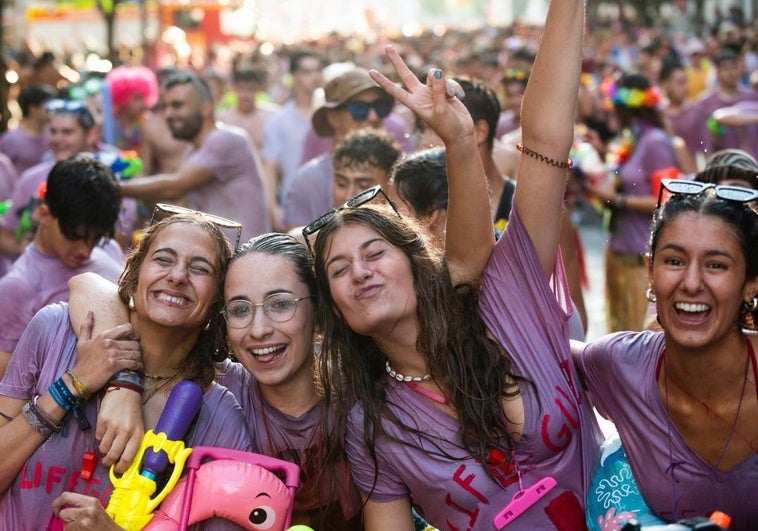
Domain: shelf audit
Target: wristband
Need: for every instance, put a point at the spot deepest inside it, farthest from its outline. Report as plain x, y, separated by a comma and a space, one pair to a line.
113, 386
128, 378
38, 420
79, 386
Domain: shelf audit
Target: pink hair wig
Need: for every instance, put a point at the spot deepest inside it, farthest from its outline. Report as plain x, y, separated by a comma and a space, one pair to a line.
126, 81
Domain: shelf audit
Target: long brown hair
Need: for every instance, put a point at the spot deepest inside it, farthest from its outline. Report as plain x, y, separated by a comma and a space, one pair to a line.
208, 347
474, 371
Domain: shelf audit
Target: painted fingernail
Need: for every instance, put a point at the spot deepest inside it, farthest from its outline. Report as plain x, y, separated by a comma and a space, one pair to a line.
451, 91
461, 94
438, 73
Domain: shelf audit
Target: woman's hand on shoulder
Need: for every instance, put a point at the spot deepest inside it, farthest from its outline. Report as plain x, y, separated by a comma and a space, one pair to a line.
98, 358
437, 102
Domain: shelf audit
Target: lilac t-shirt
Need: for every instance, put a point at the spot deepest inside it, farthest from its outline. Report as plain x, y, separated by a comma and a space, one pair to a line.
283, 139
690, 126
676, 483
297, 440
527, 313
744, 137
24, 151
46, 350
236, 190
652, 152
36, 280
309, 194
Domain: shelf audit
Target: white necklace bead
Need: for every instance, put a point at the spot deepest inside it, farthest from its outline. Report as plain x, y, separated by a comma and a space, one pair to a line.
403, 378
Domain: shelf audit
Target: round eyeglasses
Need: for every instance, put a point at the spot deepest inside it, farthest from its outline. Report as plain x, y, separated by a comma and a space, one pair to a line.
280, 308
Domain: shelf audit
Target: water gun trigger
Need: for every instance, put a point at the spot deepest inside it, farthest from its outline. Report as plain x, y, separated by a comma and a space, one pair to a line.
132, 502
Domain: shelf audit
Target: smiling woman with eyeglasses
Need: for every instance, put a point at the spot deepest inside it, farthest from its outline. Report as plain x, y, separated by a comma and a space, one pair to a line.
693, 385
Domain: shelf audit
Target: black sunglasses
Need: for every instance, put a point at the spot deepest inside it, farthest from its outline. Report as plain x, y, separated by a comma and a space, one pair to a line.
354, 202
163, 210
684, 187
359, 110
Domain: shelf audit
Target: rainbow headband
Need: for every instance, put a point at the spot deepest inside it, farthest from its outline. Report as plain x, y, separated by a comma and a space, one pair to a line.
632, 98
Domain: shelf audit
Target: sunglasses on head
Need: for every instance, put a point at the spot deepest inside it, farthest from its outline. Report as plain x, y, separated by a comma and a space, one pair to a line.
354, 202
675, 187
75, 107
163, 210
359, 110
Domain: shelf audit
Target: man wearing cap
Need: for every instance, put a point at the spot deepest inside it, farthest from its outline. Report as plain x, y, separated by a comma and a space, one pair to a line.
353, 101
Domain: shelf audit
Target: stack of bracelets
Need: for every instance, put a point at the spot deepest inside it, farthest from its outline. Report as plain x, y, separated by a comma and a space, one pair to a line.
63, 396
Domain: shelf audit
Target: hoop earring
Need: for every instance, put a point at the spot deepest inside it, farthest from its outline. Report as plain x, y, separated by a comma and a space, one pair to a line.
751, 305
130, 304
207, 325
651, 296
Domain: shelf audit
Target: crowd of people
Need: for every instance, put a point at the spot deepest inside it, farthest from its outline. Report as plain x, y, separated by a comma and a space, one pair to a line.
367, 260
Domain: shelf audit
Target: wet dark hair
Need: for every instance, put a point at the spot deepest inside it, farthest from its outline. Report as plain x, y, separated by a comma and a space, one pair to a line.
209, 347
34, 95
277, 244
421, 180
482, 103
366, 146
742, 220
474, 371
84, 196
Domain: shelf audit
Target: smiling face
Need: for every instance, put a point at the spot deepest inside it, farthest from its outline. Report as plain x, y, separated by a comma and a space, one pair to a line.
184, 111
65, 136
177, 282
273, 352
699, 279
371, 282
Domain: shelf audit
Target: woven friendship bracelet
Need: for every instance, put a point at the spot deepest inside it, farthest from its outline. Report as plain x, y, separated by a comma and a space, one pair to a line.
113, 386
37, 419
65, 399
62, 395
80, 386
565, 164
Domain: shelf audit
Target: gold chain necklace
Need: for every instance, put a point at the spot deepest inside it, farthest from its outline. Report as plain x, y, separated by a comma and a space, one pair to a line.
152, 393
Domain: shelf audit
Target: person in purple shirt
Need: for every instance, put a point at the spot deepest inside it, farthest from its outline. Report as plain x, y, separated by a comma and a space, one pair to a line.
449, 404
685, 400
728, 91
27, 144
636, 156
284, 134
220, 174
172, 285
79, 208
353, 101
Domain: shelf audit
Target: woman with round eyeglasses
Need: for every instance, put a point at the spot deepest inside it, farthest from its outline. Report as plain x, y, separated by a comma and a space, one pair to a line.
269, 309
685, 400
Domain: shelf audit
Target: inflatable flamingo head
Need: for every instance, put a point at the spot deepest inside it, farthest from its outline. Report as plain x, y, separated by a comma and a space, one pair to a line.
247, 494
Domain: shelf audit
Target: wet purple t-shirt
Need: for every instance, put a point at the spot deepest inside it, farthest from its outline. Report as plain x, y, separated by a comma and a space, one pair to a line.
674, 480
528, 314
236, 190
46, 350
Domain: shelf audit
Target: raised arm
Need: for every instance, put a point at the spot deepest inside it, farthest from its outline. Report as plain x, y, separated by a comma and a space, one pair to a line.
547, 126
469, 235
